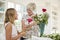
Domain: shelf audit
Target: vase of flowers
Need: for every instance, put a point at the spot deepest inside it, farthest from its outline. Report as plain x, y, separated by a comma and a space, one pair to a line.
42, 20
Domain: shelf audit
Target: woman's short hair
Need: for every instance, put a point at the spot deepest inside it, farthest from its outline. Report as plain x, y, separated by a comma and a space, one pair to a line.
31, 6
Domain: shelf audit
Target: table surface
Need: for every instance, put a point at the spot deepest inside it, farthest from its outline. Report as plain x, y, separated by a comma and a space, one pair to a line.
39, 38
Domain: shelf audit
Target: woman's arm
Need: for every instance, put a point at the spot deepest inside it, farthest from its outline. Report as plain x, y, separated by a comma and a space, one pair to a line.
27, 27
9, 33
23, 25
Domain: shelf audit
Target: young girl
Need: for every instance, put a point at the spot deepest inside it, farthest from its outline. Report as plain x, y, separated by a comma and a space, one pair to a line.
10, 29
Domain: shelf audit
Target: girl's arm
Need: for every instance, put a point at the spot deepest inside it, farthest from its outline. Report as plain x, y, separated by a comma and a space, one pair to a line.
9, 33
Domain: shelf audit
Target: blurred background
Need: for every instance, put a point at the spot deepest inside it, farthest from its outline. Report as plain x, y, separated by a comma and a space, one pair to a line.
52, 6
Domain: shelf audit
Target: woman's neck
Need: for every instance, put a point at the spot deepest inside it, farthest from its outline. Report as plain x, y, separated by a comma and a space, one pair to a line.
30, 15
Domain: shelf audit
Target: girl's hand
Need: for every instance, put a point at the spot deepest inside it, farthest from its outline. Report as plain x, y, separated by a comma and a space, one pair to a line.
23, 33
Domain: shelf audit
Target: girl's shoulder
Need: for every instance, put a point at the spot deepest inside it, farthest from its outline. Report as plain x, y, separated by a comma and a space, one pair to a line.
8, 24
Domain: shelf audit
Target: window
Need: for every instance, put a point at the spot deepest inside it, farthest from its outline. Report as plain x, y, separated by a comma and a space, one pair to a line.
18, 9
10, 5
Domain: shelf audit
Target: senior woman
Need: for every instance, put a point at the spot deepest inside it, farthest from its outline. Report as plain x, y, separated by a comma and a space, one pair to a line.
27, 19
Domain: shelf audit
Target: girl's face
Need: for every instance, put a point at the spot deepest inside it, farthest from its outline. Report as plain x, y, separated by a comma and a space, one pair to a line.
16, 15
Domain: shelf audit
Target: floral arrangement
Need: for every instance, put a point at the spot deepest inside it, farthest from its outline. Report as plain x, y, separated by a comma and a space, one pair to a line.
53, 36
42, 18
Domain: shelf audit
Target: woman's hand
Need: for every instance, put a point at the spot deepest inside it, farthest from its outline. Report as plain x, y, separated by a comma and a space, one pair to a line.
33, 23
27, 27
33, 15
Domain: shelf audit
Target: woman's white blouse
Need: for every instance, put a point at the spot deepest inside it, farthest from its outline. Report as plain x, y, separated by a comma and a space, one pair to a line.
34, 30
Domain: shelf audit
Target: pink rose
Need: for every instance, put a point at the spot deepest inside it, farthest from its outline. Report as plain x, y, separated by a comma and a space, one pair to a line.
29, 20
44, 10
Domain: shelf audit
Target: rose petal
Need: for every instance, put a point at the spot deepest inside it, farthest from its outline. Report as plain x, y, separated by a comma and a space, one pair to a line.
29, 20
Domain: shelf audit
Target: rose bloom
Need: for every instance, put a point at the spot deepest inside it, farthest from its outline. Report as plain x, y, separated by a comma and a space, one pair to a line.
29, 20
44, 10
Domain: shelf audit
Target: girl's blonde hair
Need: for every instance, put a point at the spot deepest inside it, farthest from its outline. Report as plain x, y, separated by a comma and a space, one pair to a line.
9, 15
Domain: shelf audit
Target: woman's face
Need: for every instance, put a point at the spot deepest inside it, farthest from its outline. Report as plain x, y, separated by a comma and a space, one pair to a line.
16, 15
29, 12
